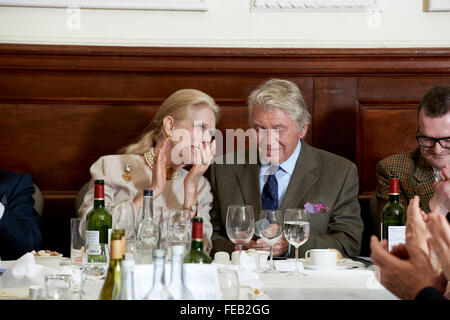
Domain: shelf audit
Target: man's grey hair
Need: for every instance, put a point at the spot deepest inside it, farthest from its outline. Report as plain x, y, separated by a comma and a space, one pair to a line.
282, 94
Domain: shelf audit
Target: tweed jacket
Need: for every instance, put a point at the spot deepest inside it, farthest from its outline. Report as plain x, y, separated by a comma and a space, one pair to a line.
318, 177
416, 178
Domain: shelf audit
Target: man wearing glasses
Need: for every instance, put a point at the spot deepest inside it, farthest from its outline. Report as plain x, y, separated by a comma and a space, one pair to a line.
425, 170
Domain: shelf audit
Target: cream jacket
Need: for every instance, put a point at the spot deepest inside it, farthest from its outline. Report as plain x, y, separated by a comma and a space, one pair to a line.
112, 167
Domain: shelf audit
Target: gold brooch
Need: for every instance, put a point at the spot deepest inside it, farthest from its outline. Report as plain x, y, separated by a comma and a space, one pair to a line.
127, 176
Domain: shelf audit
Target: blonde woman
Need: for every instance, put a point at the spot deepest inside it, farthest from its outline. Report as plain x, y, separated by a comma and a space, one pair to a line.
180, 134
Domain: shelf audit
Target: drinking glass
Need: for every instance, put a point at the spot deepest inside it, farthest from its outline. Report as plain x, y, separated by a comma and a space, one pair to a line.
124, 217
229, 284
179, 229
76, 241
296, 231
59, 287
240, 224
271, 229
94, 271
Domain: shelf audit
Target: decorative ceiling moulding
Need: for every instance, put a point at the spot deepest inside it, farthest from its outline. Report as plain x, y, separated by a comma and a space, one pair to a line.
314, 5
179, 5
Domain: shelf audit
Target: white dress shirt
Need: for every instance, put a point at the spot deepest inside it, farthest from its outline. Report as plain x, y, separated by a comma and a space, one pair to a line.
283, 173
2, 209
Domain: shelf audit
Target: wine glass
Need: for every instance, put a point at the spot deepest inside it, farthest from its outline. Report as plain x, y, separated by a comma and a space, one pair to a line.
179, 229
296, 231
240, 224
124, 217
271, 229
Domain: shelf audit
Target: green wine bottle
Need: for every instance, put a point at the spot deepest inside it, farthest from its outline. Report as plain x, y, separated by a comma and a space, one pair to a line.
197, 254
111, 286
393, 225
98, 223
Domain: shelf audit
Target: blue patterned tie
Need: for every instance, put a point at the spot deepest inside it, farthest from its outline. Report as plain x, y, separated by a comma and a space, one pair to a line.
269, 196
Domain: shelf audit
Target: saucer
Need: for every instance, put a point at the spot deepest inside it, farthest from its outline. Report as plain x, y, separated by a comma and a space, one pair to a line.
339, 266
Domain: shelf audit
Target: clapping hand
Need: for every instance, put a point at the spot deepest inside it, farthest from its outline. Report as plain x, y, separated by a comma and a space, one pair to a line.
406, 272
440, 241
441, 198
158, 173
415, 224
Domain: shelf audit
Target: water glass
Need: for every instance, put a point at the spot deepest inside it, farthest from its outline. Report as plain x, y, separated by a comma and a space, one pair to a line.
229, 284
76, 241
59, 287
94, 271
296, 231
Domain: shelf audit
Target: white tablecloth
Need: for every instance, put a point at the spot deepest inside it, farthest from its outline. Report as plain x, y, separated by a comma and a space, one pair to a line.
347, 284
321, 285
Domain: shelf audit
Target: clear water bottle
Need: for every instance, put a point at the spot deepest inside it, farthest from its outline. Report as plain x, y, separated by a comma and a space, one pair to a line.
177, 286
159, 289
127, 285
148, 232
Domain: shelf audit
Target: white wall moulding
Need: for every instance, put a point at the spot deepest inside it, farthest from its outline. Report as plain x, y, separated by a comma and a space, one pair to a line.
436, 5
314, 5
179, 5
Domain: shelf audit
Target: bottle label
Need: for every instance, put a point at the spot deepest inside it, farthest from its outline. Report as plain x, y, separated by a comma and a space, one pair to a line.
93, 240
117, 249
109, 234
396, 235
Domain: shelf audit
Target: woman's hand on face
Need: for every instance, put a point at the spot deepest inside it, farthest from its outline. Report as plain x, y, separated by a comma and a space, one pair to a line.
159, 168
202, 160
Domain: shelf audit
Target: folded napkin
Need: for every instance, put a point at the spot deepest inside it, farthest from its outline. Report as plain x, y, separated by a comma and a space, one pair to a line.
246, 271
25, 272
288, 265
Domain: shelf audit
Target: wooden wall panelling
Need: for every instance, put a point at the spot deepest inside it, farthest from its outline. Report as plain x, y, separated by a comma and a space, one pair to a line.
61, 107
334, 115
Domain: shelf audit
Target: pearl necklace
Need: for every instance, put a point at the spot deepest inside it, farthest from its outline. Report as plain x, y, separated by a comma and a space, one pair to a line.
150, 159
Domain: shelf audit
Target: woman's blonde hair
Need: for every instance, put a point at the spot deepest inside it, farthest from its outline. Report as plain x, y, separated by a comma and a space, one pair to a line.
179, 105
283, 94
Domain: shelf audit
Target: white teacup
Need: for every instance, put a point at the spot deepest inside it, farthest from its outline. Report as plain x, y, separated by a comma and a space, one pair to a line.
222, 257
235, 259
322, 257
260, 258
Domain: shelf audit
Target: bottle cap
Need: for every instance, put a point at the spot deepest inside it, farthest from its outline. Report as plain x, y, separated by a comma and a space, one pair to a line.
394, 185
148, 193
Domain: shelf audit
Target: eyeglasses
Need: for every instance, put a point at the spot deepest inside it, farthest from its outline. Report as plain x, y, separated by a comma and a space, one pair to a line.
429, 142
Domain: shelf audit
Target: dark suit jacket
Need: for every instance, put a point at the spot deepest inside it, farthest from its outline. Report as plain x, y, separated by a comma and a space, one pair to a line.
318, 177
430, 293
19, 225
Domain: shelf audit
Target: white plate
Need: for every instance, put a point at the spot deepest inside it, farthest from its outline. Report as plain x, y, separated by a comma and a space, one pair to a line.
20, 293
